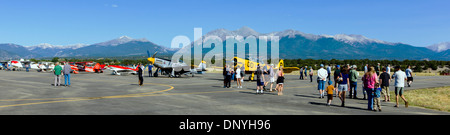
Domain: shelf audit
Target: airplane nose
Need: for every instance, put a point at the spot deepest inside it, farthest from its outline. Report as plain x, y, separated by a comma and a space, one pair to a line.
152, 60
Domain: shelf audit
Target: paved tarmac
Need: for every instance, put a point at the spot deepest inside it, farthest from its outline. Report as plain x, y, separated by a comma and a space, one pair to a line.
24, 93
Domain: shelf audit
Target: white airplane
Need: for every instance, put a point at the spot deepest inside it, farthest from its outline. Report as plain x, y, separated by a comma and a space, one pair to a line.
120, 70
42, 66
17, 64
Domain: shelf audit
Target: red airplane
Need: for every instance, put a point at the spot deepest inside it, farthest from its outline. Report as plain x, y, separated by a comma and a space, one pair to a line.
117, 70
86, 67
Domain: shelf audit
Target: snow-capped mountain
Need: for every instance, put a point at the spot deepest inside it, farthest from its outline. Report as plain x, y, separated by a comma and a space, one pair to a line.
49, 46
121, 40
295, 44
122, 46
353, 39
439, 47
246, 31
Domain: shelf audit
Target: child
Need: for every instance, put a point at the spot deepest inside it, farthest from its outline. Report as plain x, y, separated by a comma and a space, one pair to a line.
376, 99
330, 90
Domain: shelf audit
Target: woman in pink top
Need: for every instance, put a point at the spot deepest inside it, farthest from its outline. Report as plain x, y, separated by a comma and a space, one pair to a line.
369, 79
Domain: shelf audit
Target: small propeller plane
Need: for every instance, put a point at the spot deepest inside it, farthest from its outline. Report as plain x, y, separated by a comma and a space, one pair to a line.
251, 66
120, 70
173, 69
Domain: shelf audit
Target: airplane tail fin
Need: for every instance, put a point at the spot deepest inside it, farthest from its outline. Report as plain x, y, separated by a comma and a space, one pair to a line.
281, 63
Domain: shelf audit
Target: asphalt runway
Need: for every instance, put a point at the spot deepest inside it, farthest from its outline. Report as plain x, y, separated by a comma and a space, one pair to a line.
33, 93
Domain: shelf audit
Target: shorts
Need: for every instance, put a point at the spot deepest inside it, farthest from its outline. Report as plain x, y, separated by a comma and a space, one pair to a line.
330, 96
280, 80
259, 83
399, 91
385, 90
343, 87
410, 79
272, 79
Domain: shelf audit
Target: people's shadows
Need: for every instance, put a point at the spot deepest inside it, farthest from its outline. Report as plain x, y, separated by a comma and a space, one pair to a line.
307, 96
350, 107
254, 92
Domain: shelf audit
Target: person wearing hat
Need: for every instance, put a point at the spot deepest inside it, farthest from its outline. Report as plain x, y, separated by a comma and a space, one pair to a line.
353, 82
321, 79
259, 80
306, 71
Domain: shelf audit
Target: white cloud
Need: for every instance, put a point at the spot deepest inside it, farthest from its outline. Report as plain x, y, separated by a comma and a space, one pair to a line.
114, 5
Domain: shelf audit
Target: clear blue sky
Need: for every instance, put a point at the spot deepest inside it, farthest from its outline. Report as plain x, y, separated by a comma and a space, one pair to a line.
63, 22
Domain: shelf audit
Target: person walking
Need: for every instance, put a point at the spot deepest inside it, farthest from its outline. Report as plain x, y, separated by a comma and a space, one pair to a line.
140, 74
336, 75
343, 84
385, 78
369, 79
238, 77
280, 81
66, 72
400, 78
353, 82
409, 75
330, 90
57, 72
322, 75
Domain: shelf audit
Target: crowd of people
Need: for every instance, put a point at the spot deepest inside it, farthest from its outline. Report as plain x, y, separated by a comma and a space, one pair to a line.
265, 76
375, 82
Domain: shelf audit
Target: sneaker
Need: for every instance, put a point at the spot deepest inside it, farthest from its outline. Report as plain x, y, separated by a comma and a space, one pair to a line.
406, 104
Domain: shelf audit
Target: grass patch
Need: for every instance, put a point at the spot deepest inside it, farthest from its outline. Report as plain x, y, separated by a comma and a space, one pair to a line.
433, 98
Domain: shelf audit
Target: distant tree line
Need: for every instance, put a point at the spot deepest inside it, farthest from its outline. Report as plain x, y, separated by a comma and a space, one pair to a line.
416, 65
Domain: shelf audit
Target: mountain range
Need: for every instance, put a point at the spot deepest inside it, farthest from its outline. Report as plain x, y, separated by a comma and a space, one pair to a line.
293, 44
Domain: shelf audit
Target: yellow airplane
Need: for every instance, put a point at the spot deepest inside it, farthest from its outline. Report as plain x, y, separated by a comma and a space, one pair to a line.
251, 66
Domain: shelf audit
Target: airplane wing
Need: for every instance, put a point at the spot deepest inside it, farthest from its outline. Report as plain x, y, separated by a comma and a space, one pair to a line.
290, 69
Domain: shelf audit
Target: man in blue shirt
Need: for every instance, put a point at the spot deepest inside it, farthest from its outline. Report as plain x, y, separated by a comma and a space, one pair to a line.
150, 73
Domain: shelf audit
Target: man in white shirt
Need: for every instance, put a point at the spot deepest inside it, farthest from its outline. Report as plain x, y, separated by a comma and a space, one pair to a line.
400, 78
388, 69
322, 78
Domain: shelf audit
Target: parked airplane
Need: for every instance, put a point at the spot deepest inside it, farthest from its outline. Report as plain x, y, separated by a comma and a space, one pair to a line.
120, 70
42, 66
90, 67
251, 66
173, 69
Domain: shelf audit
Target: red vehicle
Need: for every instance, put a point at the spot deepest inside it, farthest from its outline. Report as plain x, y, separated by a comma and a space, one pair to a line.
86, 67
